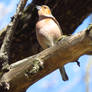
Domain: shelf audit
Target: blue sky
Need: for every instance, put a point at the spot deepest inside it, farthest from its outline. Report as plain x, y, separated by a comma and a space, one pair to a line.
7, 9
53, 82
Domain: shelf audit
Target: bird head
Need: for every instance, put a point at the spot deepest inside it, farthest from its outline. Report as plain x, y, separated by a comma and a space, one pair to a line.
43, 10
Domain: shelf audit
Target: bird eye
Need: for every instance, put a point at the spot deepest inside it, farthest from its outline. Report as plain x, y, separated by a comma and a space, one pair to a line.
45, 7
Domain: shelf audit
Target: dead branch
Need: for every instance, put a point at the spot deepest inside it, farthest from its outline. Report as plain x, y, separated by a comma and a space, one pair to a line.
24, 73
4, 51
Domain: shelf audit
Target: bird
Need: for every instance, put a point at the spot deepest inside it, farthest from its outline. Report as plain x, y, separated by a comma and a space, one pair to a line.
48, 31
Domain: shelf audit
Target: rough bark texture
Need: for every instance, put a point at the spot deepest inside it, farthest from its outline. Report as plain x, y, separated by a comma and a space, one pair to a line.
5, 47
19, 76
69, 13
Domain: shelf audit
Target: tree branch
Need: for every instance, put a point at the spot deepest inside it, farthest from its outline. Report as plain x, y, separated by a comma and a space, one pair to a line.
66, 50
5, 48
4, 51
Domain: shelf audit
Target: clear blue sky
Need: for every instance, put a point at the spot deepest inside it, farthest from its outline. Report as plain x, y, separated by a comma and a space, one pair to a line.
53, 82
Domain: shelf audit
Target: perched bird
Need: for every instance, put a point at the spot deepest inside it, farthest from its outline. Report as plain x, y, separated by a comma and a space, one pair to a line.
48, 31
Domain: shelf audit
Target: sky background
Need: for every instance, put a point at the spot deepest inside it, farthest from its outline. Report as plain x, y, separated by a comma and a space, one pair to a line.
53, 82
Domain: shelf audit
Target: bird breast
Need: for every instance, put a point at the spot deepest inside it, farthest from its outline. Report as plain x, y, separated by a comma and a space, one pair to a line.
47, 32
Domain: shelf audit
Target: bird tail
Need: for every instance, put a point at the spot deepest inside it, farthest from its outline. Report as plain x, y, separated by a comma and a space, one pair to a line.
63, 73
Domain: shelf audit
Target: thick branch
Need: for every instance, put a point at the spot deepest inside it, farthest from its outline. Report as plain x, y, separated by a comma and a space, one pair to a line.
4, 51
67, 50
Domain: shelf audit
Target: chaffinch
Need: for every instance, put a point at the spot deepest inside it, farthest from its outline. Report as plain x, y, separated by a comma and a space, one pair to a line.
48, 31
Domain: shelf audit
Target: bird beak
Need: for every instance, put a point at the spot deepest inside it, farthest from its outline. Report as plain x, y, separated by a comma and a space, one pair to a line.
38, 7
